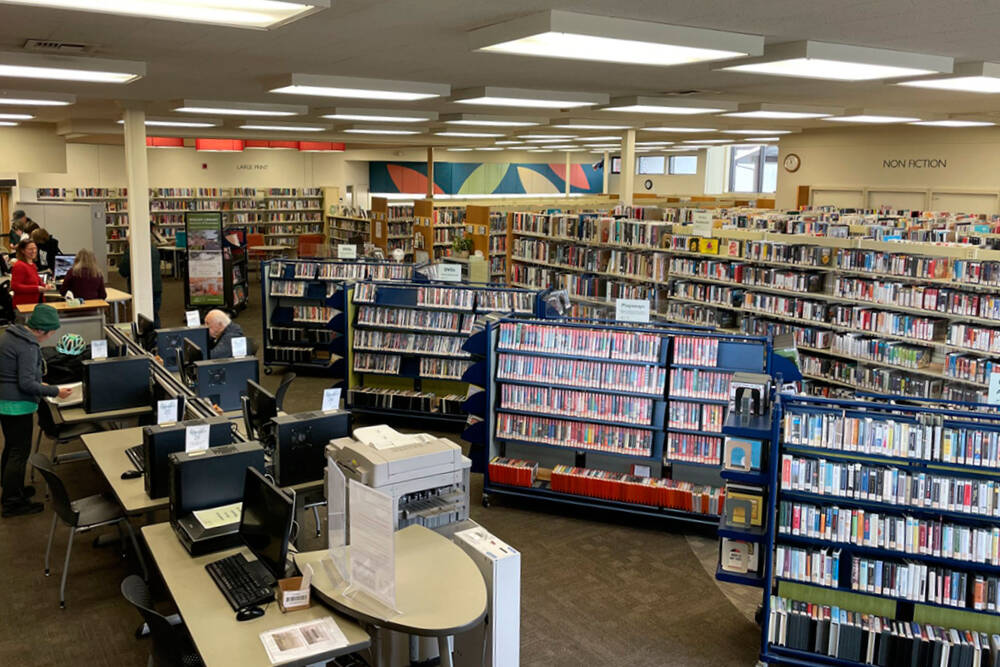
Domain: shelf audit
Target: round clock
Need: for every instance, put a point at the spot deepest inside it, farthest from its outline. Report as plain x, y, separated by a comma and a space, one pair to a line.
792, 162
648, 184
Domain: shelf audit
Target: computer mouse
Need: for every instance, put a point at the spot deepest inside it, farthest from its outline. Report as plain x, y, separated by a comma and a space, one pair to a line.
249, 613
131, 474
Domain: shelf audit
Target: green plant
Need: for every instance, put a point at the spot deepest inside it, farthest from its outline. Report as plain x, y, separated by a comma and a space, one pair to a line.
462, 244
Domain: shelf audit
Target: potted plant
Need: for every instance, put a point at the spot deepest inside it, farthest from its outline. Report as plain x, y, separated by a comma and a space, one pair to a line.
462, 246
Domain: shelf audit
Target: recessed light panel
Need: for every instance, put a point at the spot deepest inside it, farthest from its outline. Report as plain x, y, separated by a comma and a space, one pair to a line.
486, 120
70, 68
953, 122
780, 111
282, 127
863, 116
969, 78
667, 105
25, 98
247, 109
377, 115
468, 134
319, 85
527, 98
752, 132
380, 129
680, 130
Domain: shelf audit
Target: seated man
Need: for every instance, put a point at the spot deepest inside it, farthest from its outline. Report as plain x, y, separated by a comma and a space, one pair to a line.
221, 332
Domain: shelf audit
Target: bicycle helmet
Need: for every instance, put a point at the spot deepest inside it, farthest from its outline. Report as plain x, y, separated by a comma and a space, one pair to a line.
71, 343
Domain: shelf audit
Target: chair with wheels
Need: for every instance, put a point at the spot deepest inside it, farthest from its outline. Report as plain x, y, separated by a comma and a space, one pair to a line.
171, 645
80, 516
279, 395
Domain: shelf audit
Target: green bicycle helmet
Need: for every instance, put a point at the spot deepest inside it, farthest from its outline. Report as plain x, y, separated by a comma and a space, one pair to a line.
71, 343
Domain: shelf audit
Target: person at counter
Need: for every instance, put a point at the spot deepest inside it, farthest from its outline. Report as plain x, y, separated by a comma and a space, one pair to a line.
25, 282
84, 279
221, 332
48, 248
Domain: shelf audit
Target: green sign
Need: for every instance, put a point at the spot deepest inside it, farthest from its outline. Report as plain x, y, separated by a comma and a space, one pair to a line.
206, 284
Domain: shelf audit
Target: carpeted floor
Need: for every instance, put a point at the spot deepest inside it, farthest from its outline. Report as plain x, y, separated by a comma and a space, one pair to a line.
597, 588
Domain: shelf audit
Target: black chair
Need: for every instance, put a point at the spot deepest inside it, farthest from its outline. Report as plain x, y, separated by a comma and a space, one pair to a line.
171, 645
279, 395
81, 516
60, 434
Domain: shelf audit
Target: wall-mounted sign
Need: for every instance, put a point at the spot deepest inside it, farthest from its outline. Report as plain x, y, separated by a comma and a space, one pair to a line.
915, 163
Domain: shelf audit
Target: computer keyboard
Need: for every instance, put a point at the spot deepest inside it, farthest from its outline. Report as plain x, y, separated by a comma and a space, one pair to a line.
135, 455
242, 582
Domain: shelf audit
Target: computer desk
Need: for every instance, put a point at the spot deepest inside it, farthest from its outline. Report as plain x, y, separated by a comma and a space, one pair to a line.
117, 297
219, 637
77, 415
108, 450
439, 590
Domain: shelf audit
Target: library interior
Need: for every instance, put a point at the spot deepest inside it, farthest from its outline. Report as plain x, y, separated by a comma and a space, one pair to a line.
660, 334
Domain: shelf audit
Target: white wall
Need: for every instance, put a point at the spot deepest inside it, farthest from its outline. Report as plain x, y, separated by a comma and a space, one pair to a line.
666, 184
33, 147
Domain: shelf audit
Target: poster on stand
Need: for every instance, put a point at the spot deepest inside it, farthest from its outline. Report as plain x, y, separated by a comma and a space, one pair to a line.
205, 282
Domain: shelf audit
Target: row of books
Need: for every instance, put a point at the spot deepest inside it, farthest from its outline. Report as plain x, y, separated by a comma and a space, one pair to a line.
406, 400
408, 343
696, 350
882, 321
575, 435
415, 319
876, 640
969, 367
709, 269
445, 369
633, 378
295, 192
443, 297
889, 485
532, 276
293, 204
686, 313
976, 272
309, 335
376, 363
652, 491
291, 355
592, 343
315, 314
805, 336
785, 279
697, 383
877, 380
965, 445
696, 416
908, 535
707, 293
974, 337
925, 297
185, 205
877, 349
287, 288
919, 582
787, 306
572, 403
813, 566
513, 472
693, 448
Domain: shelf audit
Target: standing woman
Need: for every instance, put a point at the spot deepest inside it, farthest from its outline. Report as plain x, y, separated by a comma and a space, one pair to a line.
21, 388
24, 280
84, 279
48, 248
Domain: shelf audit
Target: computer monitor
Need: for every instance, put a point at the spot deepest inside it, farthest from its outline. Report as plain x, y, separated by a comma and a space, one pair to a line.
224, 381
300, 444
169, 341
186, 358
116, 383
266, 521
144, 332
63, 264
259, 408
159, 442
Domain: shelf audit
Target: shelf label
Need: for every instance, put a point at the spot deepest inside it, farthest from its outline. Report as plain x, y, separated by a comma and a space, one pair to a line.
192, 318
631, 310
239, 347
702, 223
99, 349
993, 397
449, 272
166, 411
347, 251
331, 399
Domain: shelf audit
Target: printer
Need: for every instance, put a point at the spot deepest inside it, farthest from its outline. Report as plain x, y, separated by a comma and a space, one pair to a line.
426, 476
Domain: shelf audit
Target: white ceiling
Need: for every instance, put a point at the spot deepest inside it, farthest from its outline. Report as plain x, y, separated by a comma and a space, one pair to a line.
425, 40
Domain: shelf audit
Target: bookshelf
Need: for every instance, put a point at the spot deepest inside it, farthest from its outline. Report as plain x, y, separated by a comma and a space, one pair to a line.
853, 539
408, 356
351, 226
623, 417
290, 213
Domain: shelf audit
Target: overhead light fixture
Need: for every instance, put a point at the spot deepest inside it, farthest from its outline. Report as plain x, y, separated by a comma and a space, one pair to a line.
864, 116
556, 140
378, 115
260, 14
458, 150
16, 116
603, 145
69, 68
282, 127
319, 85
707, 141
490, 121
164, 142
667, 105
8, 123
780, 111
526, 97
469, 134
491, 148
536, 135
950, 121
377, 129
681, 130
179, 122
839, 62
24, 98
755, 138
223, 108
539, 150
654, 143
508, 143
751, 132
588, 124
978, 77
321, 147
602, 138
568, 35
219, 145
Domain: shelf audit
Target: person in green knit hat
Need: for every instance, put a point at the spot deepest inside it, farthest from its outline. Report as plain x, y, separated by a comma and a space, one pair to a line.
21, 388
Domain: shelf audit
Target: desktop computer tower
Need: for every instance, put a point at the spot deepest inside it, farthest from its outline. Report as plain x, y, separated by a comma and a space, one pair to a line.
224, 381
116, 384
159, 442
168, 341
500, 565
300, 444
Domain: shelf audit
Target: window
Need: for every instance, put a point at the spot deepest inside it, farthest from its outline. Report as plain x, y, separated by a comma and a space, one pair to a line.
651, 165
616, 165
753, 169
683, 164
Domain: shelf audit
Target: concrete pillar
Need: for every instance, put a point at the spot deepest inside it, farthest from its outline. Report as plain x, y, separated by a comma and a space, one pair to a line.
627, 179
137, 170
607, 171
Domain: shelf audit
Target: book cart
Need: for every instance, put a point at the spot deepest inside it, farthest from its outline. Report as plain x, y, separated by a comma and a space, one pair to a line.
306, 310
882, 534
407, 344
618, 416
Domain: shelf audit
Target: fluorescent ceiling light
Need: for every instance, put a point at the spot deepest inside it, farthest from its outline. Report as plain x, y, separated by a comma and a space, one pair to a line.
684, 130
491, 121
491, 148
468, 134
654, 143
588, 124
616, 146
16, 116
561, 34
224, 108
947, 122
378, 115
780, 111
509, 143
8, 123
179, 122
456, 150
546, 141
707, 141
260, 14
755, 138
603, 138
375, 129
667, 105
539, 150
280, 127
750, 132
526, 97
546, 136
24, 98
976, 77
320, 85
70, 68
839, 62
862, 116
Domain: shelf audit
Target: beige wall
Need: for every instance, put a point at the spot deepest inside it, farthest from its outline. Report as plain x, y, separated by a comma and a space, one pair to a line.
31, 148
666, 184
955, 169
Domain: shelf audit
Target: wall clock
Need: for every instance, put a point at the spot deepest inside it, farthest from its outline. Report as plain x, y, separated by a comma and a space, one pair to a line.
648, 184
792, 162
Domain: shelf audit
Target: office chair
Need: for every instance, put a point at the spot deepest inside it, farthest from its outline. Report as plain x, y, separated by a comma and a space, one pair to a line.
60, 434
171, 647
81, 516
279, 395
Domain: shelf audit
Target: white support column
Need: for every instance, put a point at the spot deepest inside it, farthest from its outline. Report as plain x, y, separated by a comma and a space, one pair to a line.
430, 172
607, 171
137, 171
627, 179
566, 191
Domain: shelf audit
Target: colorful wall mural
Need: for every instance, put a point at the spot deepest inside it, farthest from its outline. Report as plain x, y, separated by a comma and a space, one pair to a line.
484, 178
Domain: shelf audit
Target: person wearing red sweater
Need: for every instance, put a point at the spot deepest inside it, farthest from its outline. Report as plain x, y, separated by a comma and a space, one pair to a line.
24, 279
84, 280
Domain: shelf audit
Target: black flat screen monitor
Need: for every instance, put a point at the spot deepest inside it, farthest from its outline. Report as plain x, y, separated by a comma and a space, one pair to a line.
266, 521
189, 354
169, 341
261, 408
144, 332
